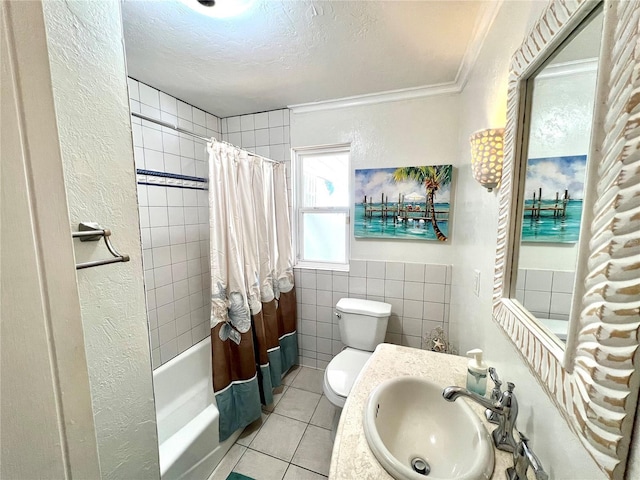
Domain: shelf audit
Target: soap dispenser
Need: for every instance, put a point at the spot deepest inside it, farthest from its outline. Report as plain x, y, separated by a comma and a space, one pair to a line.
476, 372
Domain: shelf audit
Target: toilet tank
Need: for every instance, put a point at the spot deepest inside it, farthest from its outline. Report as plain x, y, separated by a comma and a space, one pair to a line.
363, 323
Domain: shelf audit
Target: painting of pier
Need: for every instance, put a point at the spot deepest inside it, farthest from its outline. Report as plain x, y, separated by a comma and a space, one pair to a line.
408, 203
554, 188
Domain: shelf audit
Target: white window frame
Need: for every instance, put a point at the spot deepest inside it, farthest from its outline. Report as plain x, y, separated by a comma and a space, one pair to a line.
299, 211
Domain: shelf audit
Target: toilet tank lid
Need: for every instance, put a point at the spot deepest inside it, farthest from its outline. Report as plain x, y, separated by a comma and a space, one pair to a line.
363, 307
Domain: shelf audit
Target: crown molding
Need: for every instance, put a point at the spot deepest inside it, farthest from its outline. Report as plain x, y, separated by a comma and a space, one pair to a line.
375, 98
478, 36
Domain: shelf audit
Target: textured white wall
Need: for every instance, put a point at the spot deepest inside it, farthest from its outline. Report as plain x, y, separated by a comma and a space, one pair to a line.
404, 133
482, 104
90, 90
549, 256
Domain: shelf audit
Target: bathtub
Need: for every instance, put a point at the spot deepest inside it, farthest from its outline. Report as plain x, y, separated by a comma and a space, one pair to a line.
559, 328
187, 416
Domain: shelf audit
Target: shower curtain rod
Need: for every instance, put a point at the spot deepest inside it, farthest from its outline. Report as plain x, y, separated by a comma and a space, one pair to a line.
186, 132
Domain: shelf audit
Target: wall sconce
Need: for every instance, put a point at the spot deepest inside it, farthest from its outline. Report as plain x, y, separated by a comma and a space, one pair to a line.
486, 156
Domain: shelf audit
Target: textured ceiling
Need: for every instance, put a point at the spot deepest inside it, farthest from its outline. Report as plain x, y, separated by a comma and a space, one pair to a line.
281, 53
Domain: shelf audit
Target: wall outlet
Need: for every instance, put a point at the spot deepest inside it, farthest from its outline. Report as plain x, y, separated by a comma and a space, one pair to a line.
476, 282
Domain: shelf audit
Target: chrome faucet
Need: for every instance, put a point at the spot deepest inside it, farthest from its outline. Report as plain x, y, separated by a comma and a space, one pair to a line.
523, 458
496, 394
506, 408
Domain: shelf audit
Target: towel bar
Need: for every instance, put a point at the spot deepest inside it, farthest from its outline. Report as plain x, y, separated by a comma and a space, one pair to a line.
91, 232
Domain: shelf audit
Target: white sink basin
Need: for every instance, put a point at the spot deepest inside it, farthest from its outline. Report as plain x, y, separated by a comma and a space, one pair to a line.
406, 418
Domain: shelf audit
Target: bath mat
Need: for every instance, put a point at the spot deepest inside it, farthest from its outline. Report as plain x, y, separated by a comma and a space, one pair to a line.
238, 476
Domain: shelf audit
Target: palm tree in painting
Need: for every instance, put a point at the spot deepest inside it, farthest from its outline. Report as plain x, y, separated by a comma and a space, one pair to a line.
433, 178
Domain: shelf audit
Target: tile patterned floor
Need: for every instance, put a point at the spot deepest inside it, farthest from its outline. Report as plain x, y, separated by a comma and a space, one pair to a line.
292, 440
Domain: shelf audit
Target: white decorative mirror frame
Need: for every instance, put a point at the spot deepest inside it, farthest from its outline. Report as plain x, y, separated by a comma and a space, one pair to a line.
595, 381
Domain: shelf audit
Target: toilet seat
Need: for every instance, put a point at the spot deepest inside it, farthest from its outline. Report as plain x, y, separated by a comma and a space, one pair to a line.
341, 373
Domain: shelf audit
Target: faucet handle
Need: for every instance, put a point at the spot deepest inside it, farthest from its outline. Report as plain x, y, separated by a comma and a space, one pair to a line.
523, 459
503, 436
494, 377
496, 393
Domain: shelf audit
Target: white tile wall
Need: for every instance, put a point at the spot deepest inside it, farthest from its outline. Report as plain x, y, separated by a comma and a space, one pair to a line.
265, 134
174, 221
418, 293
546, 293
163, 149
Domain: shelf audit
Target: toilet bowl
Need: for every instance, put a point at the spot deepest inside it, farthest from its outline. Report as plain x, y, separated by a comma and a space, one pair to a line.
363, 325
341, 373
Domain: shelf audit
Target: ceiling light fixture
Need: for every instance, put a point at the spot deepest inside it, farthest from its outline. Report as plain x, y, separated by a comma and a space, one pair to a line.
486, 156
219, 8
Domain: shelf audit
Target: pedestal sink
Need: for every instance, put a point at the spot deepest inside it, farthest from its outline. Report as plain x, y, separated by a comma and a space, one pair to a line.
417, 435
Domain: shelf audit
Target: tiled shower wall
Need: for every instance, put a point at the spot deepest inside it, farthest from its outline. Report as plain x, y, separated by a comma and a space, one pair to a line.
546, 293
418, 293
265, 134
174, 221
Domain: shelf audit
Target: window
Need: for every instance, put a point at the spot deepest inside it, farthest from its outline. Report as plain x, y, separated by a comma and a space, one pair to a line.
321, 206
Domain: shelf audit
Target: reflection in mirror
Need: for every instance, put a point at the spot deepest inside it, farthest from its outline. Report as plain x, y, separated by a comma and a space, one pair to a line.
560, 99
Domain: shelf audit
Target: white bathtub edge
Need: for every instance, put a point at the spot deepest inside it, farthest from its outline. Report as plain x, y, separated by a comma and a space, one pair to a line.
205, 468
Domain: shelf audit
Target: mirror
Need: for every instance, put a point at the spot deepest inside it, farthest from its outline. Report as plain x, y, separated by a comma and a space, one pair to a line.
559, 114
593, 380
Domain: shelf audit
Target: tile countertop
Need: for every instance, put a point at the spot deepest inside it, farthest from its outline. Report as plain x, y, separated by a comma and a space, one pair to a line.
351, 457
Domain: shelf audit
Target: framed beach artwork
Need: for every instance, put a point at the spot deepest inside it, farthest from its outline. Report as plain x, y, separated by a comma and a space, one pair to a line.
403, 203
554, 189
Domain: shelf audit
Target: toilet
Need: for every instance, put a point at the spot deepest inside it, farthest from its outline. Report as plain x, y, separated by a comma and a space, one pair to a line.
363, 325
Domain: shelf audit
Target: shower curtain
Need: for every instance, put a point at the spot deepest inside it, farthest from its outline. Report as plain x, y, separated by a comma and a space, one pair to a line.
253, 300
